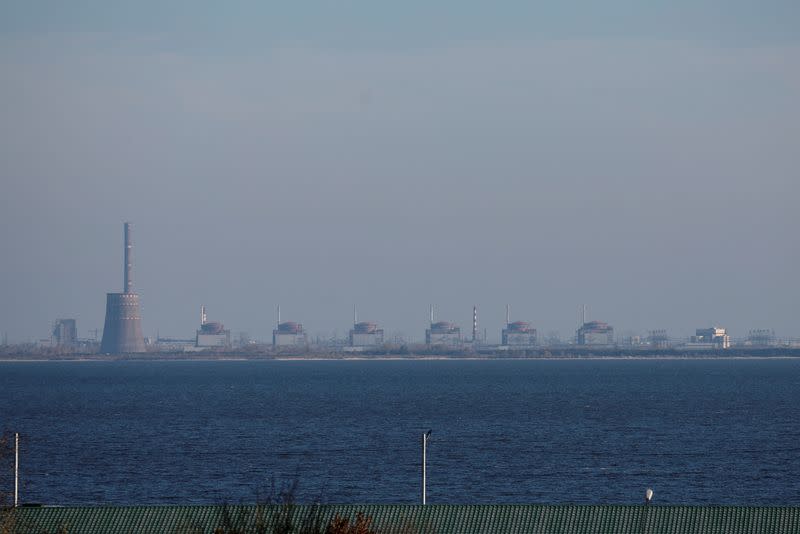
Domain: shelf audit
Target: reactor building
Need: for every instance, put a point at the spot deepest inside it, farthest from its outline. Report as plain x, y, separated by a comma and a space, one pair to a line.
442, 333
211, 333
122, 332
595, 333
365, 334
519, 334
289, 334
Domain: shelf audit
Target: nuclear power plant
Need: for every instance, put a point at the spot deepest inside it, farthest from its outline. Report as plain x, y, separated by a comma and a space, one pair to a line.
122, 332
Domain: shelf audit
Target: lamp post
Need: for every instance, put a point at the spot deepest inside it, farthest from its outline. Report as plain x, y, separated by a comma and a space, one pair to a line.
425, 437
644, 516
16, 469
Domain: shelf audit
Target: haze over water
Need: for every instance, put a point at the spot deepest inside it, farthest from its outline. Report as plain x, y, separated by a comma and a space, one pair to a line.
638, 157
698, 432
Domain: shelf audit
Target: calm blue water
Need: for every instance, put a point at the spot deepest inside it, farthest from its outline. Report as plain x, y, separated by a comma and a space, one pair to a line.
349, 431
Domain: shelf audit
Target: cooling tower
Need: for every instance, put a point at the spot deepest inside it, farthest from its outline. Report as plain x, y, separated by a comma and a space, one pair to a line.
122, 332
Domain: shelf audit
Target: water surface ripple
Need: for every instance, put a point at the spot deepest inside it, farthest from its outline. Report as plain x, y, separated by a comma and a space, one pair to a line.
601, 431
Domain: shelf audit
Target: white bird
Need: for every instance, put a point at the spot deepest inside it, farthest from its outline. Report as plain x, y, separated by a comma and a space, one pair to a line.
648, 496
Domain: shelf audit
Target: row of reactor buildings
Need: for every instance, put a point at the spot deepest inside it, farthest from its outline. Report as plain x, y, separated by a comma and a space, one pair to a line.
515, 335
122, 332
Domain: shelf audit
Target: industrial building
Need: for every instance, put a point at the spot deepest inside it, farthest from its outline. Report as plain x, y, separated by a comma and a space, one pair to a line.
289, 334
211, 333
443, 333
518, 334
169, 344
761, 338
365, 334
712, 338
122, 332
65, 333
595, 333
658, 339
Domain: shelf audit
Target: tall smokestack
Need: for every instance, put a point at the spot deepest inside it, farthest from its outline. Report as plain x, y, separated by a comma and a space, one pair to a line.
474, 324
508, 314
122, 332
127, 286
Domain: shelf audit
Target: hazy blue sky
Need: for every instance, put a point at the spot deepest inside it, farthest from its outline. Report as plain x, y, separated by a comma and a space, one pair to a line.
639, 157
